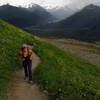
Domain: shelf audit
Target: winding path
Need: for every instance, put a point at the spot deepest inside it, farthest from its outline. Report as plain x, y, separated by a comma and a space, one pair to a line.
21, 90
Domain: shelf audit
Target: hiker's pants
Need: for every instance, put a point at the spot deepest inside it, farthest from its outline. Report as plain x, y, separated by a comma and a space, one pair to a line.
27, 64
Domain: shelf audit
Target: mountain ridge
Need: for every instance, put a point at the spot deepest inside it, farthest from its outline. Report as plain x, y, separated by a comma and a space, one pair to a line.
83, 18
22, 17
83, 25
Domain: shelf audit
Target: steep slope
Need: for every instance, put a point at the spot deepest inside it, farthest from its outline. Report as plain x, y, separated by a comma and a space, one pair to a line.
11, 39
62, 74
23, 17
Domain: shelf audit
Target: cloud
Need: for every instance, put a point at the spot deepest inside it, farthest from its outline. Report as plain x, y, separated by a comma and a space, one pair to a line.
16, 2
82, 3
52, 3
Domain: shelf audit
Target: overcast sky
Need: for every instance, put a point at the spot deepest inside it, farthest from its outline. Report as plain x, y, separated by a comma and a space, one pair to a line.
52, 3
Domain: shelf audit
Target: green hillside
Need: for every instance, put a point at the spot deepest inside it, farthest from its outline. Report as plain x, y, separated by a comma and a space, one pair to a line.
64, 75
11, 39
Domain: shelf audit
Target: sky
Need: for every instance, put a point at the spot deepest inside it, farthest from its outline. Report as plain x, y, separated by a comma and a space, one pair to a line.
52, 3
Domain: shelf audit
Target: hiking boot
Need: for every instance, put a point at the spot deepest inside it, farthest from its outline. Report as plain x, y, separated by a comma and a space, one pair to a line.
26, 78
30, 81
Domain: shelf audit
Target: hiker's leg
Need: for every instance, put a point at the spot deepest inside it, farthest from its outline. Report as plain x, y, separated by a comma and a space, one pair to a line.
30, 69
25, 68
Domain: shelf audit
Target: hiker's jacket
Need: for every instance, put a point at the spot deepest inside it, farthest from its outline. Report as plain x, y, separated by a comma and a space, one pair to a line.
26, 53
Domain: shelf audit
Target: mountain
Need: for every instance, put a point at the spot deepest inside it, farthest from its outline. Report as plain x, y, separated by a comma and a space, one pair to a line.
23, 17
62, 12
34, 8
83, 25
88, 17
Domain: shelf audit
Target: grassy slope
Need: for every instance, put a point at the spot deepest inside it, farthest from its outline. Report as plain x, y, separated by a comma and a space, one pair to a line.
11, 39
66, 76
63, 74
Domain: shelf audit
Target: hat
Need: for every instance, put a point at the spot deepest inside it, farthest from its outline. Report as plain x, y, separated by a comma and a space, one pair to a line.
24, 46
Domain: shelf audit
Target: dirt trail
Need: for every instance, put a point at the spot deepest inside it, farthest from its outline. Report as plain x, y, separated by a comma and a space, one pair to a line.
93, 58
21, 90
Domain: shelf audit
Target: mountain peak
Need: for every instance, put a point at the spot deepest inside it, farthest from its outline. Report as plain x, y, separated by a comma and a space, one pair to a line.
91, 6
7, 6
37, 8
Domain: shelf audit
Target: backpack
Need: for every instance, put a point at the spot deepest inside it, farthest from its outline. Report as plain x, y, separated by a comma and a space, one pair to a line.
23, 54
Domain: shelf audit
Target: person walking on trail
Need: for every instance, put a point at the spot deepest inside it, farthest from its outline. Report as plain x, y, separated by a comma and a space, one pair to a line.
26, 55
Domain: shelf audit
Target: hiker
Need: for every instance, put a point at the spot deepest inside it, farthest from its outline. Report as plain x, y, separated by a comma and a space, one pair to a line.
26, 56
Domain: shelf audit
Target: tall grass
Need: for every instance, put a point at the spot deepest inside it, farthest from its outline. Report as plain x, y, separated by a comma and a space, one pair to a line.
11, 39
66, 76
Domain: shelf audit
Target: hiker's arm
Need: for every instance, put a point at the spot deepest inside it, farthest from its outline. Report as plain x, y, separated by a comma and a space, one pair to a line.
31, 56
20, 55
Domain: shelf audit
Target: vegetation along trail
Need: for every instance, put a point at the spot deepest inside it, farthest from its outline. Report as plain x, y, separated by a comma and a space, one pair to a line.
21, 90
79, 50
